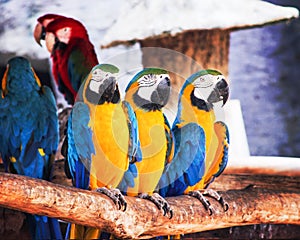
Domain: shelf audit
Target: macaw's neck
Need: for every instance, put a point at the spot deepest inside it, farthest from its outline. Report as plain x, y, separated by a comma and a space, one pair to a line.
192, 109
146, 104
201, 104
82, 50
197, 111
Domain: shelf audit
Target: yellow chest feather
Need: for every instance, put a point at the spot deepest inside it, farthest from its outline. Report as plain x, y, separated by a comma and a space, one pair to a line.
111, 139
154, 146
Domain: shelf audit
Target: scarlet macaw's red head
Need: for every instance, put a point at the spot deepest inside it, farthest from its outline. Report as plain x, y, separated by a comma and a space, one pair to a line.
40, 28
63, 30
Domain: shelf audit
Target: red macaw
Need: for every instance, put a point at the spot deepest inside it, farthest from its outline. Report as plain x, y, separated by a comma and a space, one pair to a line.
73, 55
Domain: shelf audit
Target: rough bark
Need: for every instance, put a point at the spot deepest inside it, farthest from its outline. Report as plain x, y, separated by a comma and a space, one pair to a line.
142, 219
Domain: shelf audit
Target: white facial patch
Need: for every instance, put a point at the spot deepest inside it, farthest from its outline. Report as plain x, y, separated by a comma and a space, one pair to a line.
204, 85
64, 34
148, 84
98, 77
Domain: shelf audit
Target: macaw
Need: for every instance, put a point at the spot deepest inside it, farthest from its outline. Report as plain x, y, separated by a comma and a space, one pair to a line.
201, 141
101, 142
148, 93
29, 133
73, 55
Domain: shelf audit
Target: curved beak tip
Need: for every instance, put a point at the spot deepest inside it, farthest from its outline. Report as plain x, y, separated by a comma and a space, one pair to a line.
225, 98
37, 33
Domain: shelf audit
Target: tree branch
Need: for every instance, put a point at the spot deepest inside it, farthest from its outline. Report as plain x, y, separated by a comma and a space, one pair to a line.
142, 219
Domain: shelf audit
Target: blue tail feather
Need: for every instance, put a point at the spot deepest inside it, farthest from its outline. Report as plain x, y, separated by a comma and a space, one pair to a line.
43, 227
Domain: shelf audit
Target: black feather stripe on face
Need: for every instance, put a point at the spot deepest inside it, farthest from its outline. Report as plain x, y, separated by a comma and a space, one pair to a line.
145, 104
200, 103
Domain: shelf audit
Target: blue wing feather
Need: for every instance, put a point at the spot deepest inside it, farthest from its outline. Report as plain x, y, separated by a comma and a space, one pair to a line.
80, 145
170, 140
134, 149
187, 166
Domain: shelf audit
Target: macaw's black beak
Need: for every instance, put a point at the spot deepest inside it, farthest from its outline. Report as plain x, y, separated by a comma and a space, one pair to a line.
105, 93
219, 93
108, 88
161, 95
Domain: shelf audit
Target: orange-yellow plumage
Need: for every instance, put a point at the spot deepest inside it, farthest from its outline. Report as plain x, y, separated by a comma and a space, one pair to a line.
154, 146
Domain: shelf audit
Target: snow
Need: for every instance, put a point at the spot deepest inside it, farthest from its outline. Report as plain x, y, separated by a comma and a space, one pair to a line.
110, 20
152, 17
18, 19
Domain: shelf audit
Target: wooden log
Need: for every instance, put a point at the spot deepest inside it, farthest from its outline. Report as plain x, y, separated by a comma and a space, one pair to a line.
142, 219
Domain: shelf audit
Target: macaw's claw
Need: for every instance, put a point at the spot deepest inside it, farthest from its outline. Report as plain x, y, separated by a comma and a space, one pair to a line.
159, 201
212, 193
203, 200
115, 195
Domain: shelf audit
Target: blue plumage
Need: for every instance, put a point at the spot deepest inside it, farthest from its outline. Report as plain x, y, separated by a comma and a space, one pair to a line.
134, 150
187, 166
29, 132
79, 154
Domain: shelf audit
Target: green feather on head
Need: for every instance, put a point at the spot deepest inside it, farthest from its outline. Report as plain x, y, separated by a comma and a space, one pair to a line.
198, 74
106, 68
144, 72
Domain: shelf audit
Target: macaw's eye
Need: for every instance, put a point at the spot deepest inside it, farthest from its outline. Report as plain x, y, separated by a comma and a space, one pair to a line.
65, 30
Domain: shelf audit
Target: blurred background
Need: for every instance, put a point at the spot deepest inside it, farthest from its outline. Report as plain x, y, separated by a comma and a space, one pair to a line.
263, 64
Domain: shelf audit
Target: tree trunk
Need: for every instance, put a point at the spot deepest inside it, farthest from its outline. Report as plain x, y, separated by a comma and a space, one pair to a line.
250, 205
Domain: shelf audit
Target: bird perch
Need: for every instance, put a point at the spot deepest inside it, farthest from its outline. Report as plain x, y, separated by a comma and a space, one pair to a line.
250, 205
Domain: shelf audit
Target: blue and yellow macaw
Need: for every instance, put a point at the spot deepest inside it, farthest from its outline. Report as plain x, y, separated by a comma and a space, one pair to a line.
201, 142
148, 93
29, 133
102, 142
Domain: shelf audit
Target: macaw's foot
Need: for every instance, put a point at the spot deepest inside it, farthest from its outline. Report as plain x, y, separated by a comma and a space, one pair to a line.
115, 195
212, 193
203, 200
159, 201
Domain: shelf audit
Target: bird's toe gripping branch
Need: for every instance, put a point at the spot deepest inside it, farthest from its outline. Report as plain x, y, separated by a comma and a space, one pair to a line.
115, 195
203, 200
210, 193
159, 201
